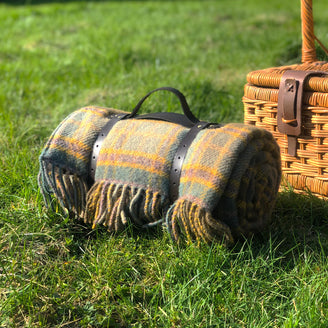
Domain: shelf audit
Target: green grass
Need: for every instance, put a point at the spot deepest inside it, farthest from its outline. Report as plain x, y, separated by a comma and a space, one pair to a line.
54, 272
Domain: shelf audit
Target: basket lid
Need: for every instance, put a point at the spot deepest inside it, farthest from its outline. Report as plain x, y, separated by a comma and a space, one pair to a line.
270, 77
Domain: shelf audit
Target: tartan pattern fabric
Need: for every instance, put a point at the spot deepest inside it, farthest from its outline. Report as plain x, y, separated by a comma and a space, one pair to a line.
234, 173
218, 159
70, 145
140, 152
136, 158
228, 185
65, 158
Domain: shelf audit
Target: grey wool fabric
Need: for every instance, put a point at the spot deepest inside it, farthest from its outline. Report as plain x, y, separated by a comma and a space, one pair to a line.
228, 185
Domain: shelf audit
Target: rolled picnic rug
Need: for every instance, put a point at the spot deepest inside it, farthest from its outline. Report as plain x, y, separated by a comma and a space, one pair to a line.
228, 184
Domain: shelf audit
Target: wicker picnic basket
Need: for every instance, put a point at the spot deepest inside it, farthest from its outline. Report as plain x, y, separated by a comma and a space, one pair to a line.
292, 103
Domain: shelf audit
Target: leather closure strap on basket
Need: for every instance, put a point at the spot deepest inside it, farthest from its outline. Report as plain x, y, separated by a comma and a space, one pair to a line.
290, 100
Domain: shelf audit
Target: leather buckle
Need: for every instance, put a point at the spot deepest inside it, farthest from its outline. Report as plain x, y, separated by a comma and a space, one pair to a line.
290, 96
289, 107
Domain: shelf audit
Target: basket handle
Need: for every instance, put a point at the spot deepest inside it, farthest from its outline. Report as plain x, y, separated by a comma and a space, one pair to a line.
308, 37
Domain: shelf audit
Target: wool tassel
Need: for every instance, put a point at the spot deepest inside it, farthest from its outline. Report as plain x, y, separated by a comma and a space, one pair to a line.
195, 222
45, 191
69, 189
115, 205
92, 202
137, 195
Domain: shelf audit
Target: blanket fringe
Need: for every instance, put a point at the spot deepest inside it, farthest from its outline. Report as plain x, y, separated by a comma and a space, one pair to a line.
195, 222
69, 189
116, 205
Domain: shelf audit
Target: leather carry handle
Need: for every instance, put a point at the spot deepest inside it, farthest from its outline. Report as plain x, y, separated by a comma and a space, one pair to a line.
187, 120
186, 110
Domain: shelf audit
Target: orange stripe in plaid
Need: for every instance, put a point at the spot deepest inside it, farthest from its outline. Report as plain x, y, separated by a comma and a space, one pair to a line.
82, 157
117, 138
205, 182
72, 120
201, 145
190, 170
133, 154
84, 126
133, 166
159, 127
73, 141
146, 206
171, 138
241, 133
100, 111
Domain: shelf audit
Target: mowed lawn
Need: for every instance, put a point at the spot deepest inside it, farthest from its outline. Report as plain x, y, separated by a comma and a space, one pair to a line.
58, 272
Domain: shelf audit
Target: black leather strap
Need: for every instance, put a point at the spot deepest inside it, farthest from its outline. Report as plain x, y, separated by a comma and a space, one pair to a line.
167, 117
180, 156
101, 137
186, 110
187, 120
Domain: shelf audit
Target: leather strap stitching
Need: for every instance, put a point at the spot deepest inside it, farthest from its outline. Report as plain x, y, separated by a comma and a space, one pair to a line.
180, 156
101, 137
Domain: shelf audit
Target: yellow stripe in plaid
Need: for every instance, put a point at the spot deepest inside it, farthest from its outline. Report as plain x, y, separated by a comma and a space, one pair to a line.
196, 179
69, 151
110, 154
139, 145
74, 142
199, 169
228, 183
209, 151
132, 166
99, 111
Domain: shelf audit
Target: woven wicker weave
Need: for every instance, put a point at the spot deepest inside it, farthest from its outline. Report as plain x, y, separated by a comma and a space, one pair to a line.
309, 168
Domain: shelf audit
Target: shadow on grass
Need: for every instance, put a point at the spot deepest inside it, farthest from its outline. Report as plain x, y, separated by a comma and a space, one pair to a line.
298, 219
299, 225
83, 234
292, 54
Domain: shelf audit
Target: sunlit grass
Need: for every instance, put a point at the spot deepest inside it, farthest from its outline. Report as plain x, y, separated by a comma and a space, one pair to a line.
57, 272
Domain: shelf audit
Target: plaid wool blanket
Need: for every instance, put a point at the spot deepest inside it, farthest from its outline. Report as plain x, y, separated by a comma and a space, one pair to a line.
228, 184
